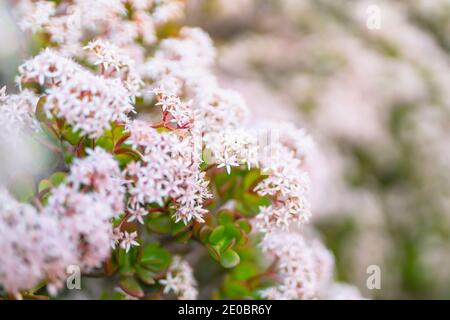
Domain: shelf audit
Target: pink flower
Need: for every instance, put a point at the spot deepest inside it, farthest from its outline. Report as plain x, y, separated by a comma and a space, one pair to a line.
128, 240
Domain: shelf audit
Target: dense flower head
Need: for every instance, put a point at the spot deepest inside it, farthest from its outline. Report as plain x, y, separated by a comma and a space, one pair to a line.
38, 16
166, 10
99, 173
17, 110
180, 280
287, 183
175, 113
115, 63
86, 101
84, 205
85, 219
48, 69
170, 169
218, 109
31, 245
89, 103
233, 148
181, 65
74, 227
304, 266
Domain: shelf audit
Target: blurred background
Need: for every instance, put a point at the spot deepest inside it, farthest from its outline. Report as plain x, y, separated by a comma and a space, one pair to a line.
370, 80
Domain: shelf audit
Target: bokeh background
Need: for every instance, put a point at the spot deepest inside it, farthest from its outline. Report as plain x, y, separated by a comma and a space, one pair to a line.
377, 103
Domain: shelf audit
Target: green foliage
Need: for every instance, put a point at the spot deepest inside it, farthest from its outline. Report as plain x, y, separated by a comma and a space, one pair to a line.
154, 258
239, 186
229, 259
131, 286
139, 267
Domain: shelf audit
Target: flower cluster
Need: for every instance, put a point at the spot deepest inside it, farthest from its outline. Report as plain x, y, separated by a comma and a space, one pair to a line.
85, 204
304, 267
99, 173
179, 280
17, 110
181, 64
31, 244
287, 183
87, 102
233, 149
115, 63
175, 113
169, 170
74, 227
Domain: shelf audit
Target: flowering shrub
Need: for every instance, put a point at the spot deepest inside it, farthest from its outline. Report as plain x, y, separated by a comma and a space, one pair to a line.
158, 168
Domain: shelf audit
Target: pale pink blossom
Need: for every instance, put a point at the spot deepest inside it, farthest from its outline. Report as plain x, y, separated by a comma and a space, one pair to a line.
128, 240
180, 280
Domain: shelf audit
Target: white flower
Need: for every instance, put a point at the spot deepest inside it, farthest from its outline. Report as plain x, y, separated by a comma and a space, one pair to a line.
137, 214
233, 148
227, 162
128, 240
180, 280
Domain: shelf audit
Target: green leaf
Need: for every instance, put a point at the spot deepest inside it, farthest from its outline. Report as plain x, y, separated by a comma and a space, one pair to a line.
245, 271
40, 112
224, 217
159, 224
232, 231
204, 233
236, 290
184, 237
249, 204
71, 136
57, 178
131, 286
118, 133
124, 263
245, 225
113, 296
217, 235
155, 258
106, 143
44, 184
250, 178
23, 188
145, 275
126, 270
123, 159
213, 251
229, 259
179, 227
